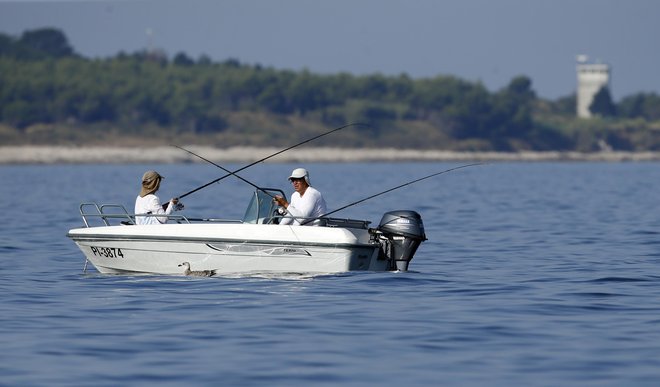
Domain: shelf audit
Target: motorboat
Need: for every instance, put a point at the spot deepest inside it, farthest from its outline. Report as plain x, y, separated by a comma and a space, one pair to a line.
112, 241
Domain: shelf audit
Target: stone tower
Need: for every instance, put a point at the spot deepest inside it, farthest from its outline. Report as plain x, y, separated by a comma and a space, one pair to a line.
591, 77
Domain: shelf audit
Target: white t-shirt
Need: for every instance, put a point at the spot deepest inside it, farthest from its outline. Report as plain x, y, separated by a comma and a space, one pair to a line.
150, 204
310, 205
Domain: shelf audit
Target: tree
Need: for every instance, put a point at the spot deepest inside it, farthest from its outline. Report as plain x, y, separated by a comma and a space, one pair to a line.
641, 105
45, 42
7, 45
521, 86
516, 102
181, 59
602, 104
377, 115
565, 105
496, 117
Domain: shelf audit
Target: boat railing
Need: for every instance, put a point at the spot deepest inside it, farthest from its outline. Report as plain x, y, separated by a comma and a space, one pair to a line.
116, 214
325, 222
346, 223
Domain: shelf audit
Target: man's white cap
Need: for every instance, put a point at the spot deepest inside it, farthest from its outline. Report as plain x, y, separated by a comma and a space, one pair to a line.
300, 173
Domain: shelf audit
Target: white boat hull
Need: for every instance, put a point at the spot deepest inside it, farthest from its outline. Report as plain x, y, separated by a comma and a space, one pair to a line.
231, 248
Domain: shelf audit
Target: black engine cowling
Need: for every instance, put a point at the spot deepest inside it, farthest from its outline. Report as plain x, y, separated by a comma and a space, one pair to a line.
401, 232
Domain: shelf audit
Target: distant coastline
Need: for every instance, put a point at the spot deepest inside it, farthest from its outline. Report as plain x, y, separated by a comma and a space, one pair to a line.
163, 154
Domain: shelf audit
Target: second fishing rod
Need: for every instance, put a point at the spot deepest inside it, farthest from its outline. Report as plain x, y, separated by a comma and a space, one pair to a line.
233, 173
306, 221
229, 173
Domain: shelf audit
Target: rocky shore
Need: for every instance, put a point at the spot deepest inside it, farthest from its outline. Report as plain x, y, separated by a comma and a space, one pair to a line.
161, 154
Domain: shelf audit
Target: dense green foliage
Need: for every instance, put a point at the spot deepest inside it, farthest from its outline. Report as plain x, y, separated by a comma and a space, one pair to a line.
602, 104
48, 93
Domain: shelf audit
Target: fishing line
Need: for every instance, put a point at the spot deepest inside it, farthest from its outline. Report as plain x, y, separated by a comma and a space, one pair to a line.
391, 189
273, 155
226, 170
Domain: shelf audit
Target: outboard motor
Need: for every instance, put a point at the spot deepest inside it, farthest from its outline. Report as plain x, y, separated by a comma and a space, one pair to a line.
401, 234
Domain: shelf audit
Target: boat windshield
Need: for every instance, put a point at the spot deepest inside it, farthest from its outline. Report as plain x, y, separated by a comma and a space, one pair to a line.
262, 208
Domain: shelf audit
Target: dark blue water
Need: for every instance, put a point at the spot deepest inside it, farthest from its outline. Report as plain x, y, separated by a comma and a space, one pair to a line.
534, 274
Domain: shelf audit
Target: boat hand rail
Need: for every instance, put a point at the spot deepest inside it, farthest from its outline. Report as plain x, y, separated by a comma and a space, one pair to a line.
93, 210
347, 223
326, 222
108, 212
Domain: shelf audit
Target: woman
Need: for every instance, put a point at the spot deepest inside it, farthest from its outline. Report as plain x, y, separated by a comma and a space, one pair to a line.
148, 203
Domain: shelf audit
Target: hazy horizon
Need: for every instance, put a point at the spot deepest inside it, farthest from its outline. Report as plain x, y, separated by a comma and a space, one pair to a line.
476, 40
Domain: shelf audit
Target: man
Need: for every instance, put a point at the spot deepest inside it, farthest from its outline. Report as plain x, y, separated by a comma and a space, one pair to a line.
148, 203
306, 202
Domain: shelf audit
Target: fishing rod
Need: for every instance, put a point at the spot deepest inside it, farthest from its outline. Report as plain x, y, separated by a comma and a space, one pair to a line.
390, 190
273, 155
230, 173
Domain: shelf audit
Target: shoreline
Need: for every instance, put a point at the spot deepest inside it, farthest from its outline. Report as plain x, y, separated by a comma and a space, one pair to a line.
165, 154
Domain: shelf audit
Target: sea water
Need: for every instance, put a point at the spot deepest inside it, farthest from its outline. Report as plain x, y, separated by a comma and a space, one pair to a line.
534, 274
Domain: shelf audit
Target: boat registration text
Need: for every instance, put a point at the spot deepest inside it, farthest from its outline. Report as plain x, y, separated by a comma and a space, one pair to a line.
107, 252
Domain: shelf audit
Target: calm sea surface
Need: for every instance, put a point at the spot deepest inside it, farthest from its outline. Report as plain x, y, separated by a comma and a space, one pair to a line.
534, 274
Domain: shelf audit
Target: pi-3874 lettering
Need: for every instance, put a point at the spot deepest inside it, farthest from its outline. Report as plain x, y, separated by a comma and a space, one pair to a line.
107, 252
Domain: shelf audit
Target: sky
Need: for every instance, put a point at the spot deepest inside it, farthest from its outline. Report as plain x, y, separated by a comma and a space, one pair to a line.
490, 41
